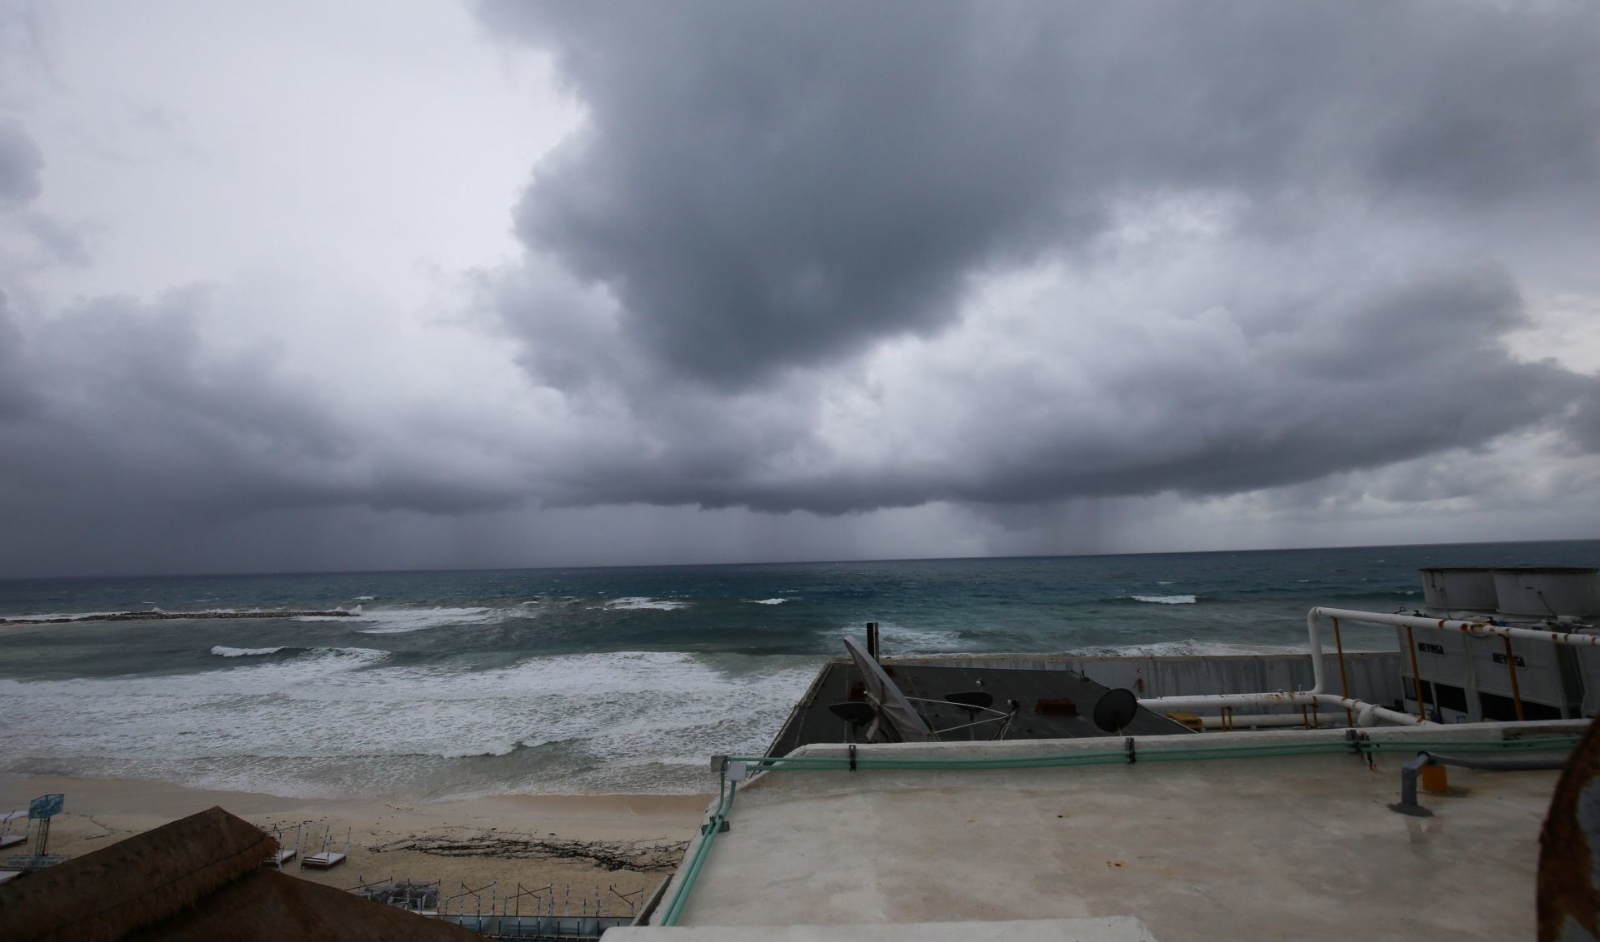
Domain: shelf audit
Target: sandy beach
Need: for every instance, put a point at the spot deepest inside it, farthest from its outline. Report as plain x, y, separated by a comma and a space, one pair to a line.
613, 844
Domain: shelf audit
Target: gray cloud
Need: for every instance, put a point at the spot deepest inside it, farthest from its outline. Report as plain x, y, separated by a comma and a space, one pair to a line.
15, 396
1060, 264
769, 200
128, 415
1394, 372
20, 164
779, 184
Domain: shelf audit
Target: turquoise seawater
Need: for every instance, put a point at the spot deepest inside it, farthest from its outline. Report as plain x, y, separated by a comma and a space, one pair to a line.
592, 680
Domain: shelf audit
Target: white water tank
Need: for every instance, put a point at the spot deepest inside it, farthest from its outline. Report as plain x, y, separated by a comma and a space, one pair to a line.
1460, 589
1548, 592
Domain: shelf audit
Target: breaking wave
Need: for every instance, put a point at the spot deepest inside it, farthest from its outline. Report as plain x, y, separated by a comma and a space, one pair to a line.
327, 721
637, 603
223, 650
1166, 599
395, 621
1190, 648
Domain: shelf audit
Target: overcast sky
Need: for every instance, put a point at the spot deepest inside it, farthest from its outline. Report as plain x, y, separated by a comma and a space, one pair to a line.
306, 285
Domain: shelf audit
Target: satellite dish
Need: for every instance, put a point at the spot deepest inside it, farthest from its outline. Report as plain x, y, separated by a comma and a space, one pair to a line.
1115, 709
893, 708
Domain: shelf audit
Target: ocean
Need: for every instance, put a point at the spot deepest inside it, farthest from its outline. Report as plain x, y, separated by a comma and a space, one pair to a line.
567, 681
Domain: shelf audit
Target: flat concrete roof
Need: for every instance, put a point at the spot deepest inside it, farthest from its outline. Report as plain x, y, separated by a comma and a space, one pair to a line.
1252, 848
1113, 929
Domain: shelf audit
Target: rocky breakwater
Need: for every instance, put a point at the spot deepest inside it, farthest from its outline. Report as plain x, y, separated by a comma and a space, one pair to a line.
159, 615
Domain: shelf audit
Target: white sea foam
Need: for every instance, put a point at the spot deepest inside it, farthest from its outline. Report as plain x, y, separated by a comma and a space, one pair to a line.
279, 725
1166, 599
223, 650
768, 601
394, 621
1191, 648
635, 603
899, 640
365, 598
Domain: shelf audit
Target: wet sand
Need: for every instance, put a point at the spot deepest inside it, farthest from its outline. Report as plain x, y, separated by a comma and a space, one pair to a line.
613, 844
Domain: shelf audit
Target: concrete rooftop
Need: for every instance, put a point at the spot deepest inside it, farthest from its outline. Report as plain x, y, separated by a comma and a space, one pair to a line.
1253, 848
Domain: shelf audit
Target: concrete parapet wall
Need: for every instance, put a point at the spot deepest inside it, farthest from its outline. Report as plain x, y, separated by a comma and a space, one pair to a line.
1374, 676
1020, 748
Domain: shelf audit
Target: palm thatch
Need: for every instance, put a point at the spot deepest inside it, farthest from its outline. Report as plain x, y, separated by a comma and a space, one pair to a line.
106, 894
269, 906
198, 878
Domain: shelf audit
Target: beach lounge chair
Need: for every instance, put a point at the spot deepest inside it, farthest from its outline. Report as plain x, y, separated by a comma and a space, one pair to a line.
7, 837
284, 853
326, 859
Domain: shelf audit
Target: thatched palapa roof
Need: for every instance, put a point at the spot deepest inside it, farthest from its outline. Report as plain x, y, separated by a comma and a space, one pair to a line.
198, 878
134, 882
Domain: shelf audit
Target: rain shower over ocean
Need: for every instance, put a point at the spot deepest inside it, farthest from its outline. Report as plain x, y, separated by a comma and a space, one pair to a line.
595, 680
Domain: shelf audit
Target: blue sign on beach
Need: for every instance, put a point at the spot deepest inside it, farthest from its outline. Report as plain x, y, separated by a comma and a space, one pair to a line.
45, 806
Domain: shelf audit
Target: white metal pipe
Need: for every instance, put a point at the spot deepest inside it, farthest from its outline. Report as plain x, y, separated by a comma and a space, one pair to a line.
1367, 713
1314, 644
1201, 701
1247, 720
1479, 628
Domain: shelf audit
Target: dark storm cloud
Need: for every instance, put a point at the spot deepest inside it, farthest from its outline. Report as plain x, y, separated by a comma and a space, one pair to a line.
766, 185
1364, 387
838, 257
773, 194
1323, 394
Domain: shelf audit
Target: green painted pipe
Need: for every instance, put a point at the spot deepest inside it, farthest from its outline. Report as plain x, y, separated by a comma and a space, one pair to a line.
692, 874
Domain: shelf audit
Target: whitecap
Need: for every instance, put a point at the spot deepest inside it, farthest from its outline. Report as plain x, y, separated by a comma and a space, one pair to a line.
1166, 599
394, 621
223, 650
1191, 648
637, 602
906, 641
768, 601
